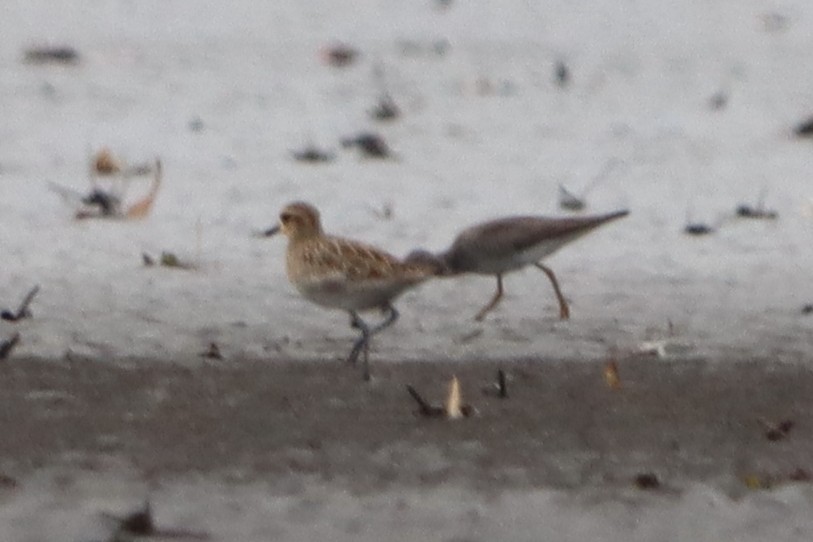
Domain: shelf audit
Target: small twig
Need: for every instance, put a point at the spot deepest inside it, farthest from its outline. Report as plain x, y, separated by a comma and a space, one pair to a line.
502, 384
452, 409
22, 311
425, 408
498, 388
8, 345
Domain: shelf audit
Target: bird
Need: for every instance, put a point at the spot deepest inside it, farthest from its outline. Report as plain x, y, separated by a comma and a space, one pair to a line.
507, 244
345, 274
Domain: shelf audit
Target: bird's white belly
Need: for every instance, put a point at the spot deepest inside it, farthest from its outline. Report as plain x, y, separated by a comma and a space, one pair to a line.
539, 251
519, 259
350, 295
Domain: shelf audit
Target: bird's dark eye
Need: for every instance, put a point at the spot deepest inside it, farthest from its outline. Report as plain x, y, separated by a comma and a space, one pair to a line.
285, 217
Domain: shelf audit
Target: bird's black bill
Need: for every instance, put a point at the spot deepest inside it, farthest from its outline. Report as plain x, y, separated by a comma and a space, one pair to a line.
273, 230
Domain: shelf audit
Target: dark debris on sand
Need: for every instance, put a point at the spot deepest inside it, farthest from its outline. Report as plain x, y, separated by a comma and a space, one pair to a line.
58, 54
804, 128
369, 144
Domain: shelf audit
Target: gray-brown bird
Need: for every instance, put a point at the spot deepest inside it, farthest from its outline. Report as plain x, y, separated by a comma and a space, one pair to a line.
508, 244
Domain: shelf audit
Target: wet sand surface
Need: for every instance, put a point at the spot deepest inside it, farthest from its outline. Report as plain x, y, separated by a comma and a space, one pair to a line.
562, 426
248, 451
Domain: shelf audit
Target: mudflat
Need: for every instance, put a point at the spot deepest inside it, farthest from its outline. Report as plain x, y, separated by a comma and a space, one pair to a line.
730, 424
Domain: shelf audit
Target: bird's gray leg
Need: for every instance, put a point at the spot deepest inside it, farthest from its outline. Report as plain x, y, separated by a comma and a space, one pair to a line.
357, 323
564, 310
367, 332
391, 318
494, 300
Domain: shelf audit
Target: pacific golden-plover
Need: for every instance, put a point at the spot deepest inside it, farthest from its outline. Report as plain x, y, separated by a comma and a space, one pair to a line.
344, 274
